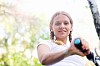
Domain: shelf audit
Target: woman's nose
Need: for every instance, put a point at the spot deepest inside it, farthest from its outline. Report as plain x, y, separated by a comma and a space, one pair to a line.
62, 26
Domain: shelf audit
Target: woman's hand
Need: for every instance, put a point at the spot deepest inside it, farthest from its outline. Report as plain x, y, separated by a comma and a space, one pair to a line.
73, 50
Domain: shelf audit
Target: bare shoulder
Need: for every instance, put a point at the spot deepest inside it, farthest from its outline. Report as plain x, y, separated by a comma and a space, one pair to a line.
43, 47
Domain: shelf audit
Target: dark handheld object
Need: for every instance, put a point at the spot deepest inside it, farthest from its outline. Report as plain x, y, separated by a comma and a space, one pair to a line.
78, 45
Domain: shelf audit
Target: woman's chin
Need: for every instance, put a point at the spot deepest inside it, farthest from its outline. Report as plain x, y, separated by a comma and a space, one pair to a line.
62, 37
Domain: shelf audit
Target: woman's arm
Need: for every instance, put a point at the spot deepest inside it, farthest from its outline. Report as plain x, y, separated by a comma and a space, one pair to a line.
47, 57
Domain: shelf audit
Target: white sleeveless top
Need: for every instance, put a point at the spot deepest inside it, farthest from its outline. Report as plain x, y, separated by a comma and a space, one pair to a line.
73, 60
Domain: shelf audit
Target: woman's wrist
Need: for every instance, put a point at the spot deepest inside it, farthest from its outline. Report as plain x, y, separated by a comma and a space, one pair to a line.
66, 53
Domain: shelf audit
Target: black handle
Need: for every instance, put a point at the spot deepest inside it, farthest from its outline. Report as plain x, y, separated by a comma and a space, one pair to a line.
78, 44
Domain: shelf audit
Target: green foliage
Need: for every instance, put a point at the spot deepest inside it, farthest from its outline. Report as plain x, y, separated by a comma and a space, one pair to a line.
36, 62
15, 59
18, 39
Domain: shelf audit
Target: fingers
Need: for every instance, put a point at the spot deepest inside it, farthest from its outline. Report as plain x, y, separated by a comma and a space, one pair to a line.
85, 44
84, 47
74, 50
80, 53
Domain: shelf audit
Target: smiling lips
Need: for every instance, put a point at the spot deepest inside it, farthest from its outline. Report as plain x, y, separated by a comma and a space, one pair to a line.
62, 31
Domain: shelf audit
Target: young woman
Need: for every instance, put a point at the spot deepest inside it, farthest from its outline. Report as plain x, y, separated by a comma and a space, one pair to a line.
60, 50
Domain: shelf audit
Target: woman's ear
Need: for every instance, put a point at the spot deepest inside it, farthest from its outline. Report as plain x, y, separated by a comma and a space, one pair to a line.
51, 29
71, 29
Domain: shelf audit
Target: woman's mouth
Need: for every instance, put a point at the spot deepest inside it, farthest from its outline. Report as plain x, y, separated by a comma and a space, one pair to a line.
62, 31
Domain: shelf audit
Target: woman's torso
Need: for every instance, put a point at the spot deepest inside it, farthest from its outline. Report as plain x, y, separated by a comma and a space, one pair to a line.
73, 60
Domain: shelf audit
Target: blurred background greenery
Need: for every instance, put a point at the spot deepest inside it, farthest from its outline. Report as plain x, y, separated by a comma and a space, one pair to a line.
22, 26
19, 35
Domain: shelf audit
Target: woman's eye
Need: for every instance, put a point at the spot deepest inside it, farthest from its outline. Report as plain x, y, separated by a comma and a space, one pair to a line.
66, 23
57, 23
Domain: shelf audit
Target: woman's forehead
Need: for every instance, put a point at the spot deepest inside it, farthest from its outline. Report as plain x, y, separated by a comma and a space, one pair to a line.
61, 17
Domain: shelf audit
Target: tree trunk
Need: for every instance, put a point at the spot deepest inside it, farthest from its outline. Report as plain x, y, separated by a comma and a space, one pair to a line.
96, 15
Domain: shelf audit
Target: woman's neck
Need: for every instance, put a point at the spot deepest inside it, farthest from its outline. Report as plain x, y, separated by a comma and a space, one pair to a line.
62, 40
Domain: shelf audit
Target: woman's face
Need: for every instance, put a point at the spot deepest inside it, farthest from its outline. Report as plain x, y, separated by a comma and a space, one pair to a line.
61, 26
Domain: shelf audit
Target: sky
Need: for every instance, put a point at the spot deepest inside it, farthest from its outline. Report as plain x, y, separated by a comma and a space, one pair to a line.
48, 7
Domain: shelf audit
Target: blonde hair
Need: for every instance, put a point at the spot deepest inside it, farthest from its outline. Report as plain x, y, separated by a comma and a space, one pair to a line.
52, 20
